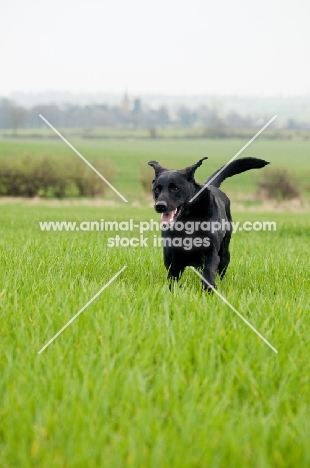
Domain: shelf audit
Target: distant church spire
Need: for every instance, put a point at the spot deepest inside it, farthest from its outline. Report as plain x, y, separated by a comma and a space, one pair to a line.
125, 103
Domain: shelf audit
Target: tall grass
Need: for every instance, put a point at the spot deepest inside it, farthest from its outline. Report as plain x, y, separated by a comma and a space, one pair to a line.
145, 377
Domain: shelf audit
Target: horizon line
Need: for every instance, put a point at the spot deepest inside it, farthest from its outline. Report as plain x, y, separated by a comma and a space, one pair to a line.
156, 94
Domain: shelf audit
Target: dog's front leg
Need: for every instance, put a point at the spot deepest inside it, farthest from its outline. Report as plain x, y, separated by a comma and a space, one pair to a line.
174, 264
174, 274
210, 266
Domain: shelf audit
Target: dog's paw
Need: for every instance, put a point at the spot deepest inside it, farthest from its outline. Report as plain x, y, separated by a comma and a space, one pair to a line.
209, 289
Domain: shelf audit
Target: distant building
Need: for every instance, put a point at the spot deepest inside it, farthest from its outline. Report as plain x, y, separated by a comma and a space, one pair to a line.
125, 104
136, 106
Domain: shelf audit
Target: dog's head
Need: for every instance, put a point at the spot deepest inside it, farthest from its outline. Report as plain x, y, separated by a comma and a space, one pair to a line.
173, 189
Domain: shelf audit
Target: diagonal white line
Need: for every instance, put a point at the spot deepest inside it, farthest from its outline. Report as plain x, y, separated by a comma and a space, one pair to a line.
83, 308
84, 159
232, 159
235, 310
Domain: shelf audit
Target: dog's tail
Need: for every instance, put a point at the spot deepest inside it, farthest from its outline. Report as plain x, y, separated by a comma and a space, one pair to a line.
233, 168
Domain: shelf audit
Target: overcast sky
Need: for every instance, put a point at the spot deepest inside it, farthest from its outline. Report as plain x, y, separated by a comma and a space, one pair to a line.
242, 47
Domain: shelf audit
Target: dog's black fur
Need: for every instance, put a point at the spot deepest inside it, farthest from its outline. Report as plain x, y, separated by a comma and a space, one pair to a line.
173, 191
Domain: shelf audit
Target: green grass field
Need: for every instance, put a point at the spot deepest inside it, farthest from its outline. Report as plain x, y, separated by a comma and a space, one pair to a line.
145, 377
130, 156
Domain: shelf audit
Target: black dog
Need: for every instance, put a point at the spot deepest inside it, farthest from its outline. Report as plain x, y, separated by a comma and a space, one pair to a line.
196, 219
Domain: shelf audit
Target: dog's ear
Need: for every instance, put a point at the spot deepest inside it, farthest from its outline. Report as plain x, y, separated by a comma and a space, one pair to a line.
157, 168
190, 170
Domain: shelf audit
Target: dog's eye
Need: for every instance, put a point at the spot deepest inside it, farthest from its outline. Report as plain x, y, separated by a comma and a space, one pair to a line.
157, 190
174, 188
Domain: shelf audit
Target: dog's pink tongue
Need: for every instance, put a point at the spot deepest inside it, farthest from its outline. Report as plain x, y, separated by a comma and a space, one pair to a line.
167, 217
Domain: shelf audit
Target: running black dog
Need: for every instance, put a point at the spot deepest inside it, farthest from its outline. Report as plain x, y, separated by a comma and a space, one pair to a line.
196, 219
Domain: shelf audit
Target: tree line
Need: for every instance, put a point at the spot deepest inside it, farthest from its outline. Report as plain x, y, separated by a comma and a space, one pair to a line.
14, 116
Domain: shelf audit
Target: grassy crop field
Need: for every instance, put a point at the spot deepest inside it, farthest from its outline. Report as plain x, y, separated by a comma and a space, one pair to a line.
130, 156
145, 377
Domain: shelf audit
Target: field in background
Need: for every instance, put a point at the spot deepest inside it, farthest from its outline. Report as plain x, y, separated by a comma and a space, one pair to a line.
173, 132
130, 156
145, 377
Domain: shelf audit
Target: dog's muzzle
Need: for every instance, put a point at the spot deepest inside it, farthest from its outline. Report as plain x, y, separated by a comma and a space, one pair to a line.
161, 206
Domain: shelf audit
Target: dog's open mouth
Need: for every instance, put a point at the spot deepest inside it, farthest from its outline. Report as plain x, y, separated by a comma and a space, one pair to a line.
171, 216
